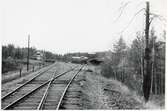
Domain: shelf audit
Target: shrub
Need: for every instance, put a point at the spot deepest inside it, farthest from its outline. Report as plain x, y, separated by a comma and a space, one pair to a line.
107, 70
9, 65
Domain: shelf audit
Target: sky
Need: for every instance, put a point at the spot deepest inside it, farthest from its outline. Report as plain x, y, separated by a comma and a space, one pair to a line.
64, 26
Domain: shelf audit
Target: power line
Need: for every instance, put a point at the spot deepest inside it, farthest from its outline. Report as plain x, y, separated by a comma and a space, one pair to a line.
121, 9
132, 20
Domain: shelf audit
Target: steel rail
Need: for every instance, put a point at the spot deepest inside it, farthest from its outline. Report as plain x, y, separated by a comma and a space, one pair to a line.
65, 90
40, 106
35, 89
38, 74
19, 99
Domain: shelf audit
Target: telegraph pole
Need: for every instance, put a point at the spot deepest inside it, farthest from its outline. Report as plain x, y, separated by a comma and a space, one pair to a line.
28, 52
147, 75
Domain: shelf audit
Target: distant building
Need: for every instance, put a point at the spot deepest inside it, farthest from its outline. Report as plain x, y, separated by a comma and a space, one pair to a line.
81, 57
95, 61
39, 55
80, 60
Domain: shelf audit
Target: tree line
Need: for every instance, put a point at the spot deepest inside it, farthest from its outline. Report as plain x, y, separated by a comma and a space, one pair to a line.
13, 56
11, 51
21, 53
127, 64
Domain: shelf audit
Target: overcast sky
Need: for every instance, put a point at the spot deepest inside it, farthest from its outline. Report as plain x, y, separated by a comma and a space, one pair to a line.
63, 26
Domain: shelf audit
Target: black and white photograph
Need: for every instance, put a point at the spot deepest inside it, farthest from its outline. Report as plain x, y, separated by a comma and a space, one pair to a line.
83, 54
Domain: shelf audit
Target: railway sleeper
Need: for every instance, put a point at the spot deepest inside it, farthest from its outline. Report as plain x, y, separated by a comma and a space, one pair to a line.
52, 97
61, 82
32, 100
50, 104
28, 104
24, 108
53, 101
53, 107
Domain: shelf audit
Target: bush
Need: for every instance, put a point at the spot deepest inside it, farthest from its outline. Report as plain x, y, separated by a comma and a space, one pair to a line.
9, 65
107, 70
124, 75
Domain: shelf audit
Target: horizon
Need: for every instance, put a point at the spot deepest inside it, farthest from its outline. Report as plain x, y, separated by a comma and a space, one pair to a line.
56, 53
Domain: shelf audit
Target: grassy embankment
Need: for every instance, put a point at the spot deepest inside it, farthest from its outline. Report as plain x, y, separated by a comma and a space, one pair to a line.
107, 93
12, 69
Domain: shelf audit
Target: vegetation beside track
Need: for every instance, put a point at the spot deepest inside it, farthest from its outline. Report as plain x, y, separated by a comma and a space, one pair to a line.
102, 93
127, 64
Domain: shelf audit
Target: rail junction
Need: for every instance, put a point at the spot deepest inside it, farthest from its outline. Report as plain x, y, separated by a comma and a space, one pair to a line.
44, 91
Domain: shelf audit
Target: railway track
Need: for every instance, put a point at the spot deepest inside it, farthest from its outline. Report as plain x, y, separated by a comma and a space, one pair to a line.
27, 82
48, 94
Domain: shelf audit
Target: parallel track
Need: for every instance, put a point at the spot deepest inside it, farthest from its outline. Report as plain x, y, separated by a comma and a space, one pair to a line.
38, 74
65, 90
54, 103
42, 92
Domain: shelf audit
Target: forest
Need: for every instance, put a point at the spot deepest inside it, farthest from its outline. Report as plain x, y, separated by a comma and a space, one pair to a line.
127, 63
13, 56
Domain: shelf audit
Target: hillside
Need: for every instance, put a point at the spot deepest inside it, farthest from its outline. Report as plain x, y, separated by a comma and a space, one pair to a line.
102, 93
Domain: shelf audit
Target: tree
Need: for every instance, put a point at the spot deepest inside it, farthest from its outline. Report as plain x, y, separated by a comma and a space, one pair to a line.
18, 54
11, 50
119, 51
118, 59
136, 53
4, 52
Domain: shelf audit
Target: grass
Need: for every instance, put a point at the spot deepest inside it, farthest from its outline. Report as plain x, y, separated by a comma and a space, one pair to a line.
92, 90
97, 97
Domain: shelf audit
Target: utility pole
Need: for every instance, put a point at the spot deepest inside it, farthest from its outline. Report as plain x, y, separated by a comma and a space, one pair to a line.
28, 52
147, 75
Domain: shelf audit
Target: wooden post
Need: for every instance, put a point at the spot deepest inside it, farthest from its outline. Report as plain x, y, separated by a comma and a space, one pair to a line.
33, 68
20, 71
28, 53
